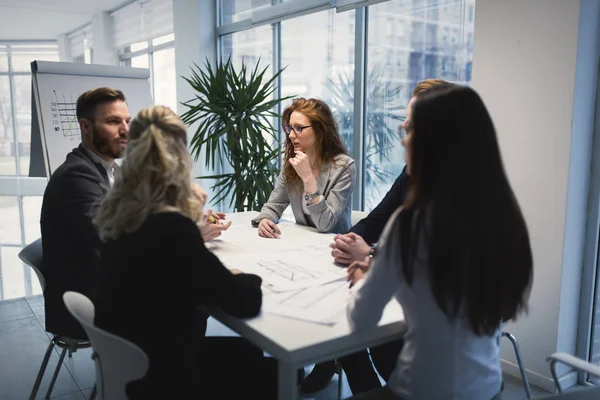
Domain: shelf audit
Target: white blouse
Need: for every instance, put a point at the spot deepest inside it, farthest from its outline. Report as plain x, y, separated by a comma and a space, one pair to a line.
441, 358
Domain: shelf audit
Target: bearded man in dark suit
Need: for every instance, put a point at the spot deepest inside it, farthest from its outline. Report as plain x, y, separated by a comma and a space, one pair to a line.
70, 241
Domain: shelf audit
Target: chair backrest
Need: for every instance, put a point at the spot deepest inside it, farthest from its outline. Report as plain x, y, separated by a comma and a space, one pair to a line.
578, 365
357, 216
32, 256
118, 361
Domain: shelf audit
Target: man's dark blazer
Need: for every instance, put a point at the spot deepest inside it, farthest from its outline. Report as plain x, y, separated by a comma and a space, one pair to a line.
70, 241
371, 227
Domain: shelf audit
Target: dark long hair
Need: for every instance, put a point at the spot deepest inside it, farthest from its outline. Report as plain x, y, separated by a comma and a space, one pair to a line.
328, 140
476, 238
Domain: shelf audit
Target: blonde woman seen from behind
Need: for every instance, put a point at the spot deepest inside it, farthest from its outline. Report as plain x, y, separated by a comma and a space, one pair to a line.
161, 158
157, 272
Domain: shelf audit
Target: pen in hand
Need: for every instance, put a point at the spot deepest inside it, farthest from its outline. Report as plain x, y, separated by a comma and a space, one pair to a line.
215, 217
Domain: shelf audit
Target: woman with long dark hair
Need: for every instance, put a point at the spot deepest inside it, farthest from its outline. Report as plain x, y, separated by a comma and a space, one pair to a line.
456, 256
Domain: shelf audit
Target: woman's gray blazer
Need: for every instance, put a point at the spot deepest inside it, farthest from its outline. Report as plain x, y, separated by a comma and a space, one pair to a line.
336, 182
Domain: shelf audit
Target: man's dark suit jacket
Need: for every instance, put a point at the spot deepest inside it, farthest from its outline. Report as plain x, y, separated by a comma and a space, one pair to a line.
371, 227
70, 241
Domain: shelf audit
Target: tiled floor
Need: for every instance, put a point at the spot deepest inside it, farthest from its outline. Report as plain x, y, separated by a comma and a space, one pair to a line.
23, 343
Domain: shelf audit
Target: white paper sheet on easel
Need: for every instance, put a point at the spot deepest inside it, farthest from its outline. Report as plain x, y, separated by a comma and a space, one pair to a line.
322, 304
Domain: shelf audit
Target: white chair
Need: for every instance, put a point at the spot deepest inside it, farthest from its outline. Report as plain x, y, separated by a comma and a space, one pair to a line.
592, 393
118, 361
579, 365
32, 256
356, 216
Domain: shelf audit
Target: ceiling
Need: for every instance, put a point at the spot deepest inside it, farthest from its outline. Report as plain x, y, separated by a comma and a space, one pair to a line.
46, 19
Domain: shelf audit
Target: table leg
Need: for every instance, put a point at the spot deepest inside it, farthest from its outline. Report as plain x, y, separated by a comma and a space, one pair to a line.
287, 382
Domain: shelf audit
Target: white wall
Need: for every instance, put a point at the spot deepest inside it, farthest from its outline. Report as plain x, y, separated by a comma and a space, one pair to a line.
525, 63
194, 24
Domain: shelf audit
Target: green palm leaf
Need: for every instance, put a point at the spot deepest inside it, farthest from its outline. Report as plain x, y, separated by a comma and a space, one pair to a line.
232, 117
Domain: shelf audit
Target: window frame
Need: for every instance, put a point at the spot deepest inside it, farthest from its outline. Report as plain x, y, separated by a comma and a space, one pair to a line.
589, 298
126, 55
281, 10
20, 185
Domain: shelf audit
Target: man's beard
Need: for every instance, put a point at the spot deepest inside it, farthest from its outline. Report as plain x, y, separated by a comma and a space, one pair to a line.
105, 146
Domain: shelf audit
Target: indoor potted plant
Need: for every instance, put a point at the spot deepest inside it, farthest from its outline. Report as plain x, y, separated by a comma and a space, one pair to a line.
235, 131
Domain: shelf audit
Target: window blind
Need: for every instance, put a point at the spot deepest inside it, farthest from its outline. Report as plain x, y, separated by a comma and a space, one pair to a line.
142, 20
79, 40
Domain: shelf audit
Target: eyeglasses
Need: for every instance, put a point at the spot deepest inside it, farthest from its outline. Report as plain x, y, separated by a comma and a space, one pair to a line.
296, 128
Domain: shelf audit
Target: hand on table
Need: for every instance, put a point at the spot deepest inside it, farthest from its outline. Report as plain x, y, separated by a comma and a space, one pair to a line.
268, 229
211, 230
348, 248
356, 271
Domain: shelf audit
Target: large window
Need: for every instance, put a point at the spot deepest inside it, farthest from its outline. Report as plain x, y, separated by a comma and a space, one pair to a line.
407, 42
15, 103
80, 44
237, 10
20, 196
401, 42
159, 56
317, 51
250, 47
595, 335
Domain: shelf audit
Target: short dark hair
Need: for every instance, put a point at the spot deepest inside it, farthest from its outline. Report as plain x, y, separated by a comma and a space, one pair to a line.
88, 101
461, 204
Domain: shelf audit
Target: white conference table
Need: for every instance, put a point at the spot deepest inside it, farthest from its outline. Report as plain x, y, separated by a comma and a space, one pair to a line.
293, 342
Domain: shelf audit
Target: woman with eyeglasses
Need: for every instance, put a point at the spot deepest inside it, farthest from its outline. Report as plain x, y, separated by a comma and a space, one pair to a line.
456, 256
318, 175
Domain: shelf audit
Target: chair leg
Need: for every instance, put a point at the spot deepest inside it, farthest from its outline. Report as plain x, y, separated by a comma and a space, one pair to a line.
56, 371
340, 372
93, 394
555, 377
40, 375
513, 340
70, 353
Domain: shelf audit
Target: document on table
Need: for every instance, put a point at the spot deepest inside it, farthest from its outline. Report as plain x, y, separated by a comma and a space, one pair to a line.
289, 271
323, 304
222, 248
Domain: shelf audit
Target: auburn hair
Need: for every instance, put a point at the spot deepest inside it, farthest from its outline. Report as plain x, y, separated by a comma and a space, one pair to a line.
328, 140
